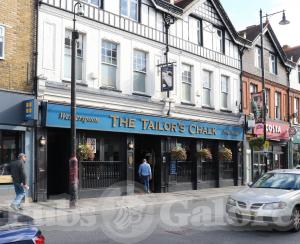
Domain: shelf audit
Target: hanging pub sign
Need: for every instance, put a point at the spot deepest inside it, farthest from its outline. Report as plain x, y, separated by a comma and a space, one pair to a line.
257, 106
167, 77
30, 107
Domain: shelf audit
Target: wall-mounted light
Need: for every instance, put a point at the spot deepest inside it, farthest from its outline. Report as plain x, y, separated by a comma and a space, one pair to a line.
130, 145
42, 141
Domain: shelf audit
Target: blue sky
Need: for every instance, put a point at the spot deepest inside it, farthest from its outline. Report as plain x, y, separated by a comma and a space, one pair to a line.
244, 13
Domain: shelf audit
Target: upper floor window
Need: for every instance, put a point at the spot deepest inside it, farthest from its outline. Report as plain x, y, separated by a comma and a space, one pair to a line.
296, 110
195, 30
273, 64
206, 88
258, 57
253, 88
199, 32
109, 64
224, 91
299, 73
187, 82
277, 105
97, 3
79, 56
1, 42
268, 102
130, 9
218, 40
139, 71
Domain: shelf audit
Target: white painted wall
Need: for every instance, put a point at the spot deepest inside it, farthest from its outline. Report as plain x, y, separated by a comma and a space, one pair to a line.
51, 59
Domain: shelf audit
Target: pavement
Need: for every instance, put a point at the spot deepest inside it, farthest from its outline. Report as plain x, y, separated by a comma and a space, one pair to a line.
60, 207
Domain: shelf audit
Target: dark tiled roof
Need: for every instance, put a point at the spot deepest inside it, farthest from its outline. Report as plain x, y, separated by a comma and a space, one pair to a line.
183, 3
179, 7
165, 4
293, 52
251, 32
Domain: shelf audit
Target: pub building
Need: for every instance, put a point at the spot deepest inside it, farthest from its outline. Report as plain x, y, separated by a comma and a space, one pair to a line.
121, 140
123, 111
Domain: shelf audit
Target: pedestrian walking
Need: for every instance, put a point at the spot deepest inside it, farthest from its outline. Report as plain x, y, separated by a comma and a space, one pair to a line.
145, 174
17, 170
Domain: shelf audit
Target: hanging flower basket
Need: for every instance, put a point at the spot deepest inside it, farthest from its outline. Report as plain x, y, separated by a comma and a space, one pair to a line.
85, 152
225, 154
256, 143
205, 153
178, 153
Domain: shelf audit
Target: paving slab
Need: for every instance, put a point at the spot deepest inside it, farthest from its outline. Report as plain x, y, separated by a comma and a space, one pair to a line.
60, 207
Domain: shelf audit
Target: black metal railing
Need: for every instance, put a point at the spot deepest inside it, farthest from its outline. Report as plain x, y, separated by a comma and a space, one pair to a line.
207, 170
185, 171
128, 25
227, 170
100, 174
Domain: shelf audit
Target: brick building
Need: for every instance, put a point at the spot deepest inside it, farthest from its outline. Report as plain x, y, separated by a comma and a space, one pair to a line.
17, 27
277, 70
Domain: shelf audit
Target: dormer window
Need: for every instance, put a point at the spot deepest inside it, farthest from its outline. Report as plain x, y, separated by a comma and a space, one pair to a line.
130, 9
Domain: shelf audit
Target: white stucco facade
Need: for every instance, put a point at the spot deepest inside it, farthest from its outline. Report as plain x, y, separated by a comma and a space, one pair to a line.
54, 86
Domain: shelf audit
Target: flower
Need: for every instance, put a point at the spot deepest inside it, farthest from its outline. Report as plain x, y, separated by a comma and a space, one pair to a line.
226, 154
85, 152
205, 153
256, 142
178, 153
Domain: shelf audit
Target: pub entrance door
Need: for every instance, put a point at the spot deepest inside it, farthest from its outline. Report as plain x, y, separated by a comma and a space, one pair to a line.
147, 147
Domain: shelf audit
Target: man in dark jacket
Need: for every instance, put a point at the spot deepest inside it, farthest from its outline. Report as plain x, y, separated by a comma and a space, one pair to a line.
17, 170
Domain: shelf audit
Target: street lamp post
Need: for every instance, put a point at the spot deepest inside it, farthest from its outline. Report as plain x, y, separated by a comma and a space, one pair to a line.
284, 21
73, 162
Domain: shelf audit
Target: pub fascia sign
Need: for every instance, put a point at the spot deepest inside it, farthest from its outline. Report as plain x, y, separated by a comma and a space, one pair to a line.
147, 124
67, 116
103, 120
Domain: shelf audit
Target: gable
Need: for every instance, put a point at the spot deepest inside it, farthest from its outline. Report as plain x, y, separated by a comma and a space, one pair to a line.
207, 12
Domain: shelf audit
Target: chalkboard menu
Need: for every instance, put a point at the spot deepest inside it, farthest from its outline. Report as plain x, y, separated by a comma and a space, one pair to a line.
173, 168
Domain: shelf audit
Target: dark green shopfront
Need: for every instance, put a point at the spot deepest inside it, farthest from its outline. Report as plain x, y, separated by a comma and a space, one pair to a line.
120, 140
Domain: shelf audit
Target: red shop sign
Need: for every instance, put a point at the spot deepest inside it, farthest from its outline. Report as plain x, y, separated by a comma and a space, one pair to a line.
275, 130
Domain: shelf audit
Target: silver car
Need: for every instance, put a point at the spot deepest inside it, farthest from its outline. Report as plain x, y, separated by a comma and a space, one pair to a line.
274, 199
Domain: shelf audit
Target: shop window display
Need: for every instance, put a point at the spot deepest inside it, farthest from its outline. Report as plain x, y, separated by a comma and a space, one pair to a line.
9, 148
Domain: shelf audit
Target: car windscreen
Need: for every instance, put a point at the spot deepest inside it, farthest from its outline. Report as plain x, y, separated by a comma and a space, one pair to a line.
285, 181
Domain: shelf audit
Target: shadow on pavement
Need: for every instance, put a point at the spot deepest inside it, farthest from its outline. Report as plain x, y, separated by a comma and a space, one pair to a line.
8, 217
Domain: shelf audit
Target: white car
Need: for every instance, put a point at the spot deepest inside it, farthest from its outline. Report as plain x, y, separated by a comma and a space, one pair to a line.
274, 199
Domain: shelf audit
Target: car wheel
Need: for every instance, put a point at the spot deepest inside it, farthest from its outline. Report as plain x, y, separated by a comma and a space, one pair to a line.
295, 220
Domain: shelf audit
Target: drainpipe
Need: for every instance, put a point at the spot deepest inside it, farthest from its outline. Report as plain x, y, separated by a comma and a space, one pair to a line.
290, 143
241, 52
35, 88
